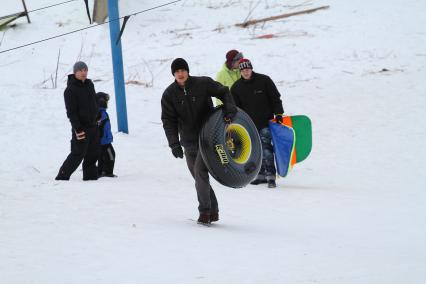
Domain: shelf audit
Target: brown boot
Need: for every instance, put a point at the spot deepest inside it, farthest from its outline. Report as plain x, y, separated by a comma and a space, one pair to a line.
204, 219
214, 217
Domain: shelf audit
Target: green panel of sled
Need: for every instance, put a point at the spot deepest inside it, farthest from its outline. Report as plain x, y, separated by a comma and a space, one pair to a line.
303, 129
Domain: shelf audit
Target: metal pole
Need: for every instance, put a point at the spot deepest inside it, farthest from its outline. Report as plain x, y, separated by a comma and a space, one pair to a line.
117, 64
26, 11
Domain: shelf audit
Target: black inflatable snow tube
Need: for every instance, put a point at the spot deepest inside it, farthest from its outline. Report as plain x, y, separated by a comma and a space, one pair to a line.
232, 151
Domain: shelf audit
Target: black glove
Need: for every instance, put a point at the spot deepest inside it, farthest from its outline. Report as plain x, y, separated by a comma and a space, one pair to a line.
177, 151
279, 118
229, 116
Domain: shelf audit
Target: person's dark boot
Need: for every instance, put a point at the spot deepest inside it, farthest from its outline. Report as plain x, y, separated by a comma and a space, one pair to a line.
214, 217
90, 178
86, 178
258, 181
204, 219
103, 174
272, 184
61, 176
90, 173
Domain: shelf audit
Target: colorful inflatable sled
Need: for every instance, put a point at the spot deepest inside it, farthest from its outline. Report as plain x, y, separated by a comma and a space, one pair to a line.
292, 141
283, 141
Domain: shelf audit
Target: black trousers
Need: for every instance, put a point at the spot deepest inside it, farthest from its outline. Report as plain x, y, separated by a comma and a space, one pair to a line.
205, 194
106, 160
86, 150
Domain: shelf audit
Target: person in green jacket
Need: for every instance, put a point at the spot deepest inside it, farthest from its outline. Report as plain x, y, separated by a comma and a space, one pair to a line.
229, 73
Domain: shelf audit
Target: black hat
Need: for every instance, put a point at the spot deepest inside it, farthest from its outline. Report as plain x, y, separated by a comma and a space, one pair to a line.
102, 99
179, 63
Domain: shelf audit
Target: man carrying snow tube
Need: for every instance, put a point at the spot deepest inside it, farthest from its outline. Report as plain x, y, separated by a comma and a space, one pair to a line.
185, 106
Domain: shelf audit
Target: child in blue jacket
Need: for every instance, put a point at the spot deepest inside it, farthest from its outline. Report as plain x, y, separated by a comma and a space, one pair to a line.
107, 154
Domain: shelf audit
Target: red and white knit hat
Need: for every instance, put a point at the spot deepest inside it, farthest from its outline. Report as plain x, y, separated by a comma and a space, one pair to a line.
245, 64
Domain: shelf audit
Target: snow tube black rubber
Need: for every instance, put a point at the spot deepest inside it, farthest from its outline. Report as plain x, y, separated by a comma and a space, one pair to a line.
232, 151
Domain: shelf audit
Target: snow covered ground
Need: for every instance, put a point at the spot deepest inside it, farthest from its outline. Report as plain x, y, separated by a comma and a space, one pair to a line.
353, 212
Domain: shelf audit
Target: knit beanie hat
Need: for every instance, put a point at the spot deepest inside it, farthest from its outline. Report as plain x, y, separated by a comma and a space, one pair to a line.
179, 63
245, 64
79, 65
102, 99
233, 56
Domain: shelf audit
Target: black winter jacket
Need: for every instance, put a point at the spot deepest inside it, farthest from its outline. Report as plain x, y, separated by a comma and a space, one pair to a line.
258, 97
185, 109
80, 102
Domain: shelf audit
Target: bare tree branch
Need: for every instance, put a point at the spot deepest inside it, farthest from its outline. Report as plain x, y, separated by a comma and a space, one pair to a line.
252, 22
56, 72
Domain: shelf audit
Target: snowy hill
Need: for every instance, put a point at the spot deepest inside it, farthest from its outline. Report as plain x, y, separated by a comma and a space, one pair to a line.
353, 212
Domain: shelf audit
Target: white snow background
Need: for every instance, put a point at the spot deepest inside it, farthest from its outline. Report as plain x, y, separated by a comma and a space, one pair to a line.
353, 212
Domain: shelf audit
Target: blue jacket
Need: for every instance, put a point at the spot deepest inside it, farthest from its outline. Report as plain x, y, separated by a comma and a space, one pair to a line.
105, 127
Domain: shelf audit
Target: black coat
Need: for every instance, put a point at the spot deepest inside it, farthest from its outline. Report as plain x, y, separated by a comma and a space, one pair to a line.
185, 109
258, 97
80, 102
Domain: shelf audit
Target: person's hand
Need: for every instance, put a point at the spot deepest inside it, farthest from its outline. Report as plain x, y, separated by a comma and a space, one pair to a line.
80, 135
229, 116
279, 118
177, 151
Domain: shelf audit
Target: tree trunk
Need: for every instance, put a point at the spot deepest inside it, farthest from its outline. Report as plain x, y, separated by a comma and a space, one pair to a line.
100, 11
253, 22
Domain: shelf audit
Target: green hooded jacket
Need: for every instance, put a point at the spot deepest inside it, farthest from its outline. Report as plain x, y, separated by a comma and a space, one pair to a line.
227, 77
